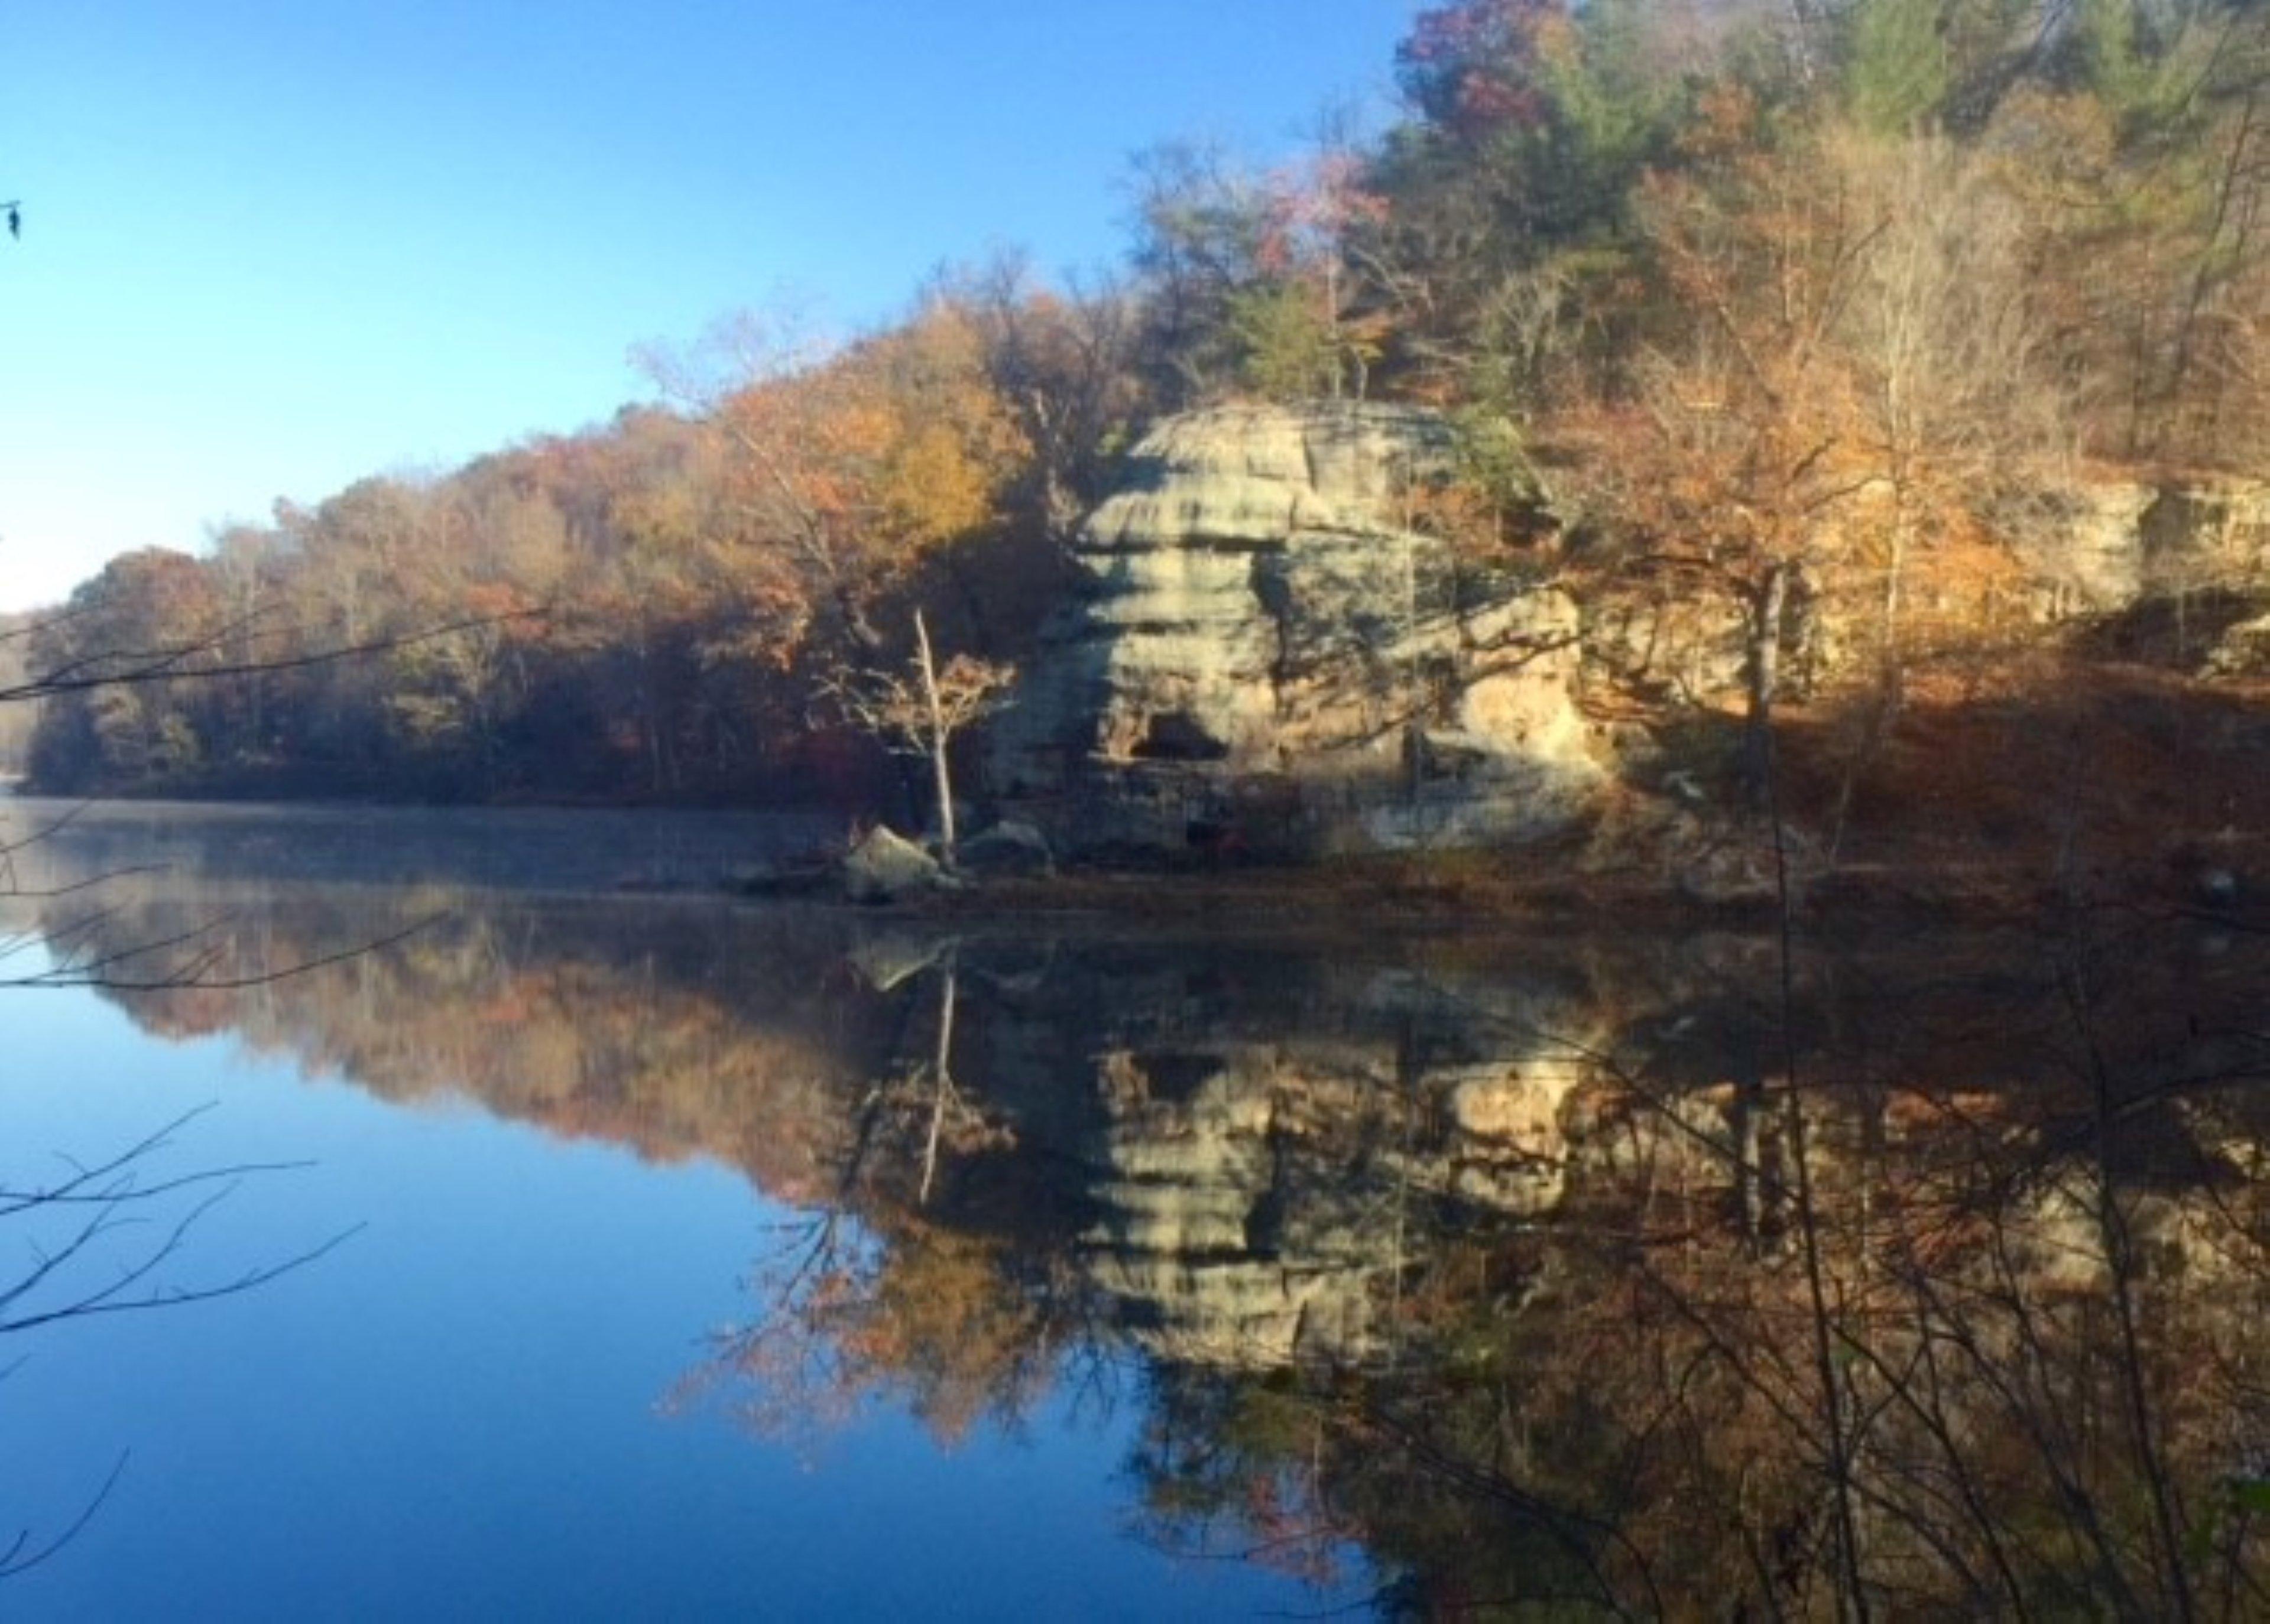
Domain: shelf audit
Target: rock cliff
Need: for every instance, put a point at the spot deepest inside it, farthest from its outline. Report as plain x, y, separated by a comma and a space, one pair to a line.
1266, 653
2178, 573
2123, 542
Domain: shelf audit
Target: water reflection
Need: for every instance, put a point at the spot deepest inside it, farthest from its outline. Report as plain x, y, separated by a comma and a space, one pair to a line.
1615, 1273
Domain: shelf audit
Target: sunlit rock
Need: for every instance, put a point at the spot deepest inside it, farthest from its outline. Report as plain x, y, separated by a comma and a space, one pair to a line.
2106, 546
1268, 653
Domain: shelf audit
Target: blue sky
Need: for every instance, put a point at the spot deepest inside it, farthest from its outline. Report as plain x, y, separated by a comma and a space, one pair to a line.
269, 248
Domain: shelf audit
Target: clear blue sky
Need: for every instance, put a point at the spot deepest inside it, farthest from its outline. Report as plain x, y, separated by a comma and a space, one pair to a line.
269, 248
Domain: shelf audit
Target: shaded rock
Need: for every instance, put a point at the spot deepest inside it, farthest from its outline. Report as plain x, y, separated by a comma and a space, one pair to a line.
1009, 849
2241, 650
885, 867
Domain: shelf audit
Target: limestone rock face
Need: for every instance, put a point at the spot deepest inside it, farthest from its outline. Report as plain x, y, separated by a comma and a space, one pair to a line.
2209, 533
1264, 651
2095, 560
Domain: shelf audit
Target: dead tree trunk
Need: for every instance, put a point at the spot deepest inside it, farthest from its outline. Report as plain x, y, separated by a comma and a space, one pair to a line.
939, 738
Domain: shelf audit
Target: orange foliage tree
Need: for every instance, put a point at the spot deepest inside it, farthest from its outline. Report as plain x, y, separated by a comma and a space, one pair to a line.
1740, 441
844, 470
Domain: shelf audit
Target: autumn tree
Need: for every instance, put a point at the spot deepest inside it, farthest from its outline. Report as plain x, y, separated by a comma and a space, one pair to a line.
102, 667
640, 599
2161, 172
846, 467
1198, 222
16, 721
1066, 365
1736, 457
1945, 339
1246, 274
1501, 251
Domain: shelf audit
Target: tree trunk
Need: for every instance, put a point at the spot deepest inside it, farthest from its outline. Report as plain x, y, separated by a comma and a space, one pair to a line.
1769, 603
938, 743
1889, 673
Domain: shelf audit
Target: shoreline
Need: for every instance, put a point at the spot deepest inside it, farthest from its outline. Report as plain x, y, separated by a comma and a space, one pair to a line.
1368, 896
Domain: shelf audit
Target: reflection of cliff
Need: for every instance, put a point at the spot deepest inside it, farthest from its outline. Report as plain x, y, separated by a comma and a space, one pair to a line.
1966, 1323
1266, 1156
1227, 1141
1526, 1264
1235, 1141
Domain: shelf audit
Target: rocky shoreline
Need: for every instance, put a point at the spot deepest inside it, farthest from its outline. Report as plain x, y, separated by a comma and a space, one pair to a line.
1479, 893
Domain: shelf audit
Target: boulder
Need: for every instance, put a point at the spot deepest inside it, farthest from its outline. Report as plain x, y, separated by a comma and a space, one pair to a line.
1009, 849
2241, 650
885, 867
891, 959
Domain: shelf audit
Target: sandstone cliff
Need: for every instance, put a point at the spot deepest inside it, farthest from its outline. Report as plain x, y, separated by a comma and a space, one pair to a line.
2121, 542
1266, 653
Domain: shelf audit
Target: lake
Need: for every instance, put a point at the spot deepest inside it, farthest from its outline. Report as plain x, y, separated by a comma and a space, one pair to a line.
460, 1215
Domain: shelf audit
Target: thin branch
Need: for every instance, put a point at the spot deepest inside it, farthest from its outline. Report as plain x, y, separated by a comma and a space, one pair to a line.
19, 1558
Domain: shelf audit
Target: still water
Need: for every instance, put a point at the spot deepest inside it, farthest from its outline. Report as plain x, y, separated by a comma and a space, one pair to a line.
569, 1240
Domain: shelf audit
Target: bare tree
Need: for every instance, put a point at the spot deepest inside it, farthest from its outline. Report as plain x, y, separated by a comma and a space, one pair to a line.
1945, 335
923, 707
1066, 364
108, 1237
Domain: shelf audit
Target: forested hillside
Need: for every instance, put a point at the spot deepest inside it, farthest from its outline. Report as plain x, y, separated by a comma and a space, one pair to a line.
1832, 315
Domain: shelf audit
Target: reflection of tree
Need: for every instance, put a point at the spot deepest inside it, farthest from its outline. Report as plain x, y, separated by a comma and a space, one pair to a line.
95, 662
890, 1303
1211, 1444
109, 1237
666, 1037
106, 1238
951, 1325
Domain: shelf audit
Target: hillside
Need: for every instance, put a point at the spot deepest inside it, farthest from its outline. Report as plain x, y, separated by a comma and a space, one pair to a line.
1876, 380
